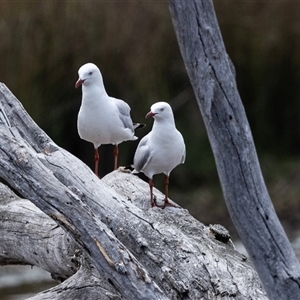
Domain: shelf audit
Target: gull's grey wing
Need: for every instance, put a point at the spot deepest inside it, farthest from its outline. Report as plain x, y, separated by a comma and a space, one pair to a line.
124, 113
142, 154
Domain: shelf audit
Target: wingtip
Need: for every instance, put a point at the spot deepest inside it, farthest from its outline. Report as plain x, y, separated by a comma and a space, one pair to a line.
138, 125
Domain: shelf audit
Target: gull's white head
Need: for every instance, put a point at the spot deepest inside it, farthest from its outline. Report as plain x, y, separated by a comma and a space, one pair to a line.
160, 111
88, 74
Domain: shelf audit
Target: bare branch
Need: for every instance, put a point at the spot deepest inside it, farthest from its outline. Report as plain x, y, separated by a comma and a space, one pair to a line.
247, 198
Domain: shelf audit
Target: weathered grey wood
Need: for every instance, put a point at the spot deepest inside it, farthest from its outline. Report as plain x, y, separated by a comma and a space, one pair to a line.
85, 284
25, 152
28, 236
247, 199
140, 253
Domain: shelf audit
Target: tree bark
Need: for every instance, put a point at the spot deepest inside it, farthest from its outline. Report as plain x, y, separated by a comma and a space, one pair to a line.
213, 80
129, 250
23, 225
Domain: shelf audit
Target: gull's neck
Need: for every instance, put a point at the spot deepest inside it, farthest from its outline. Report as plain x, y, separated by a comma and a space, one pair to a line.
164, 125
94, 89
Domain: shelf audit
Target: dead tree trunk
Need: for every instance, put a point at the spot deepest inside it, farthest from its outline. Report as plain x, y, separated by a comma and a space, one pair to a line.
104, 231
247, 199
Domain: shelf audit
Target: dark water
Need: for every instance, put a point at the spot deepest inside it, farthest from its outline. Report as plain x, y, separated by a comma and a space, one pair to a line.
22, 282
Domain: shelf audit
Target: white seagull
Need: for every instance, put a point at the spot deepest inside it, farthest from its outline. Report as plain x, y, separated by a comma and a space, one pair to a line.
161, 150
102, 119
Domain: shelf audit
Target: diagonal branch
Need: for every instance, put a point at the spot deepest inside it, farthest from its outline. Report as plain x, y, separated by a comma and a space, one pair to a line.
137, 252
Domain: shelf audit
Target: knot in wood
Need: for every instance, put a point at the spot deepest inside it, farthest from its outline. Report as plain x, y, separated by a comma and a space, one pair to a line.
120, 267
220, 232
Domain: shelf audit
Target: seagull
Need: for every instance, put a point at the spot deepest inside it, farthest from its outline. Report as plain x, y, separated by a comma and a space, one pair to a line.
161, 150
102, 119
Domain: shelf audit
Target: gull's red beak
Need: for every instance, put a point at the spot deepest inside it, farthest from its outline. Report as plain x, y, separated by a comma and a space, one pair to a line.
149, 114
78, 83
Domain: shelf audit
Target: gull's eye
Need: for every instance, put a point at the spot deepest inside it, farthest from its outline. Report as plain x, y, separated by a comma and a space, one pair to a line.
91, 73
162, 109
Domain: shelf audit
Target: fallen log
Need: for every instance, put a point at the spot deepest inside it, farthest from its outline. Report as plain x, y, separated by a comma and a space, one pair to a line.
122, 247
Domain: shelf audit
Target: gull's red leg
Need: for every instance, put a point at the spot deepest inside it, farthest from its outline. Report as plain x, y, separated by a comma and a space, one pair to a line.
116, 152
96, 158
166, 199
151, 192
166, 188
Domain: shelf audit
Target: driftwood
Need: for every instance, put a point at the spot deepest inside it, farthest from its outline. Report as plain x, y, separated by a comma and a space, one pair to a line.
100, 237
102, 234
213, 79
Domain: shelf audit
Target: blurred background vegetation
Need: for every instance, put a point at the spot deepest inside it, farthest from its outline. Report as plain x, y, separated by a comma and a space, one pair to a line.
43, 44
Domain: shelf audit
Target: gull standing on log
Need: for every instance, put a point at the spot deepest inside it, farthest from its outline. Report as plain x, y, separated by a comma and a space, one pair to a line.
102, 119
161, 150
